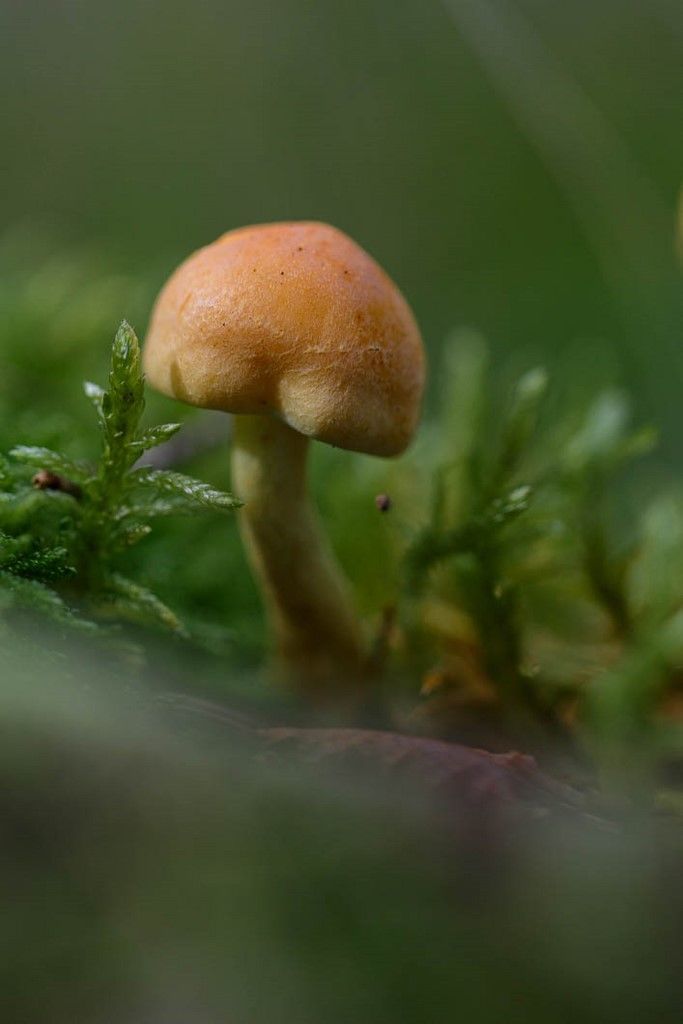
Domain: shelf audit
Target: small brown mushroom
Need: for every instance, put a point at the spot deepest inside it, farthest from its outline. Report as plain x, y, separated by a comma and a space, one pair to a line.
298, 332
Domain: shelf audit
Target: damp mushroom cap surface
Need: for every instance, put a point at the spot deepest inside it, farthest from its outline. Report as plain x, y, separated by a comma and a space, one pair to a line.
296, 321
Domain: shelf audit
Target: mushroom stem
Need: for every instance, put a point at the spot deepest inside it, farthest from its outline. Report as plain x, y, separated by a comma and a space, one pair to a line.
306, 597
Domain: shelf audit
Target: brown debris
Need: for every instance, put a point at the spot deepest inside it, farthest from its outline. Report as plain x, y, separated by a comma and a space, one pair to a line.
46, 480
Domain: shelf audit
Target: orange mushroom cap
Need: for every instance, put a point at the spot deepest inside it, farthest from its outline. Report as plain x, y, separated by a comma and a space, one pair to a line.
293, 320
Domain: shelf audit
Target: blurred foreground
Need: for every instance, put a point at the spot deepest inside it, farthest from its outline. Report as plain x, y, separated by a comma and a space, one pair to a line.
158, 868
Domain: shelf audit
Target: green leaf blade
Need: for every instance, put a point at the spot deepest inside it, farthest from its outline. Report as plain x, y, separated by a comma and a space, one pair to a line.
56, 462
124, 402
153, 437
137, 602
191, 494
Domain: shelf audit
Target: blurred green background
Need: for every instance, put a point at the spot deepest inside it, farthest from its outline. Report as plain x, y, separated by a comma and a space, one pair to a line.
513, 164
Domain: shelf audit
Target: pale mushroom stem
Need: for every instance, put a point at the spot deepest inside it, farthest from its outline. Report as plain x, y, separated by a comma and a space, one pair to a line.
317, 634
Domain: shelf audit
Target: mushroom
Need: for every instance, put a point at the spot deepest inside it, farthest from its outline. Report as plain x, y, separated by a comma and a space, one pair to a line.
299, 333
